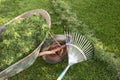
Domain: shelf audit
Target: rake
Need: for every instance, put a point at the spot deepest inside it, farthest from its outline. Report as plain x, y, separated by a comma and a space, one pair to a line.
79, 49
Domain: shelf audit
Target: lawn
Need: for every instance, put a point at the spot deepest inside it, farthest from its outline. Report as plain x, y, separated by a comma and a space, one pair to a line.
101, 16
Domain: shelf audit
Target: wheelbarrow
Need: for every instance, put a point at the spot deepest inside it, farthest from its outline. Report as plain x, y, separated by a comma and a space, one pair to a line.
52, 49
30, 59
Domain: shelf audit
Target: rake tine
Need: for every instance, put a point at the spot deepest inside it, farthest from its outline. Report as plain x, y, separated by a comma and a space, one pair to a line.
86, 45
89, 47
89, 55
83, 41
80, 41
67, 39
75, 37
87, 51
78, 37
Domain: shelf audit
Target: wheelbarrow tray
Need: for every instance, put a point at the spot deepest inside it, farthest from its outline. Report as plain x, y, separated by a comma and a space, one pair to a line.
30, 59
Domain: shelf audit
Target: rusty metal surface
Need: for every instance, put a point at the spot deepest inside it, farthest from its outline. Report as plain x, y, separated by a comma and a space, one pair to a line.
59, 49
28, 60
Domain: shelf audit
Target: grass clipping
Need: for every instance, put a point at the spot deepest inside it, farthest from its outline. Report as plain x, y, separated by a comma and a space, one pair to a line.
21, 38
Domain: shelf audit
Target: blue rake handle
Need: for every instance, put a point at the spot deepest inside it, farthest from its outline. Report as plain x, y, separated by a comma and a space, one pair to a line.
63, 73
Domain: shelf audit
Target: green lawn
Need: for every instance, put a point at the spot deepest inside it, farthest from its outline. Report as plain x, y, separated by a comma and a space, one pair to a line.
102, 17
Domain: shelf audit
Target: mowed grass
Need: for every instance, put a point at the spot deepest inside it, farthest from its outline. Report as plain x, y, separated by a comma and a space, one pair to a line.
103, 17
96, 14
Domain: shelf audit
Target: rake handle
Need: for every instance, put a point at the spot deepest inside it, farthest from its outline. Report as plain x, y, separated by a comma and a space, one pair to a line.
63, 73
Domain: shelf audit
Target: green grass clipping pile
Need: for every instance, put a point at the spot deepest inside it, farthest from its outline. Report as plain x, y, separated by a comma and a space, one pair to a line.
20, 38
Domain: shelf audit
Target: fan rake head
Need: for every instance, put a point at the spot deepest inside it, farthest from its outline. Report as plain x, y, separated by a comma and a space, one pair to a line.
79, 48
